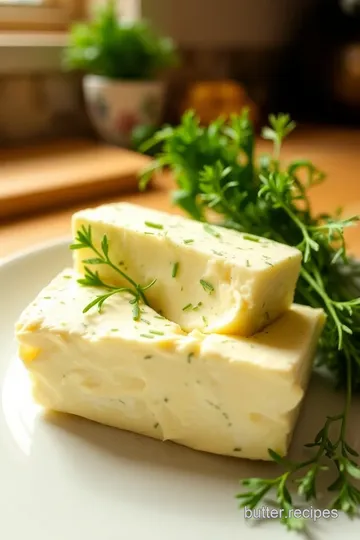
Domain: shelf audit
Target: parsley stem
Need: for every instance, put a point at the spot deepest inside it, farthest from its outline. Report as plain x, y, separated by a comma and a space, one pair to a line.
327, 301
92, 279
308, 242
348, 396
119, 271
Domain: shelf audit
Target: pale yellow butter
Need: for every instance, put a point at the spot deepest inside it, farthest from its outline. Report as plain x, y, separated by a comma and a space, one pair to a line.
226, 395
225, 282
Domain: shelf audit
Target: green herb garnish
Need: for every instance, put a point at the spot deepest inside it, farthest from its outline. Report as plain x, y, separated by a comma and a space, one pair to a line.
188, 241
154, 225
251, 238
84, 240
211, 230
175, 269
266, 198
207, 286
156, 332
191, 307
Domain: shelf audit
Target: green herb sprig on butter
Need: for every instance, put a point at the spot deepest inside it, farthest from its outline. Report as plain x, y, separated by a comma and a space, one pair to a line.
84, 240
216, 169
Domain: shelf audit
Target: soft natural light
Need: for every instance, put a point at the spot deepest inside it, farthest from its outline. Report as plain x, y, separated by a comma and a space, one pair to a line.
19, 409
22, 2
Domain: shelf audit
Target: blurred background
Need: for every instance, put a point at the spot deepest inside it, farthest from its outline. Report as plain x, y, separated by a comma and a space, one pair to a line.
82, 82
298, 56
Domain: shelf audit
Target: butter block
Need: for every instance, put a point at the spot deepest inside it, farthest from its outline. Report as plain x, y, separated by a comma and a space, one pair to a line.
226, 395
208, 278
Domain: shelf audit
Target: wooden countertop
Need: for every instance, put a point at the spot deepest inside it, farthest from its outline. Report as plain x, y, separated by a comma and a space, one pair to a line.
337, 152
60, 172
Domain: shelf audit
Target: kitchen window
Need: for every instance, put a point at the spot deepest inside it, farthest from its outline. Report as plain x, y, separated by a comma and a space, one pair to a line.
39, 15
33, 33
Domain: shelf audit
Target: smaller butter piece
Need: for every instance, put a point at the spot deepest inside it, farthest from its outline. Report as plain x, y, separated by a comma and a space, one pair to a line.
207, 277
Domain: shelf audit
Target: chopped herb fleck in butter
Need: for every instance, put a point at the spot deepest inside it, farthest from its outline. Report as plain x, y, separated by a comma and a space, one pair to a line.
156, 332
213, 405
154, 225
175, 269
207, 286
251, 238
210, 230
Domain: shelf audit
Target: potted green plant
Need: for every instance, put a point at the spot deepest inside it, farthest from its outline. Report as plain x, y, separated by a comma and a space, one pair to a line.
122, 62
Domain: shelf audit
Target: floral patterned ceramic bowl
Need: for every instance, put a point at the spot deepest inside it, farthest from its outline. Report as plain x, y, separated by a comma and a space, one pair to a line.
115, 107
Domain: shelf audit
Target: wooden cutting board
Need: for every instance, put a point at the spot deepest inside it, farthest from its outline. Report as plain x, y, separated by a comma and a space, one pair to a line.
61, 173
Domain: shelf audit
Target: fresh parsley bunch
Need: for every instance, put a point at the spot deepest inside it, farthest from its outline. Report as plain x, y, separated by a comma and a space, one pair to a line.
216, 169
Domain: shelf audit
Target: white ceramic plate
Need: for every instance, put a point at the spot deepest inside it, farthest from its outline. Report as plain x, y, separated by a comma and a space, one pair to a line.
64, 478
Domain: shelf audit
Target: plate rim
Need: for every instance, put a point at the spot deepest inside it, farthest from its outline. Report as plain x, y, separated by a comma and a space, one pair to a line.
34, 248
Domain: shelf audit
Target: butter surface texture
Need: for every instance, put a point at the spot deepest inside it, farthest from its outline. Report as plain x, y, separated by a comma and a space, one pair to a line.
208, 278
227, 395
